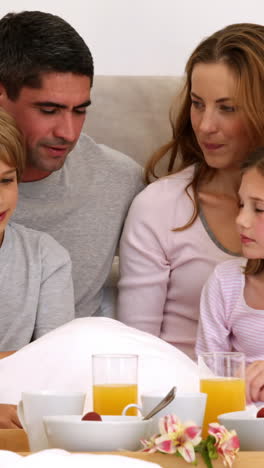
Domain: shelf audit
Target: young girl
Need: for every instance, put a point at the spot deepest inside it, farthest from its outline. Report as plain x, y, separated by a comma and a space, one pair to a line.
232, 301
36, 293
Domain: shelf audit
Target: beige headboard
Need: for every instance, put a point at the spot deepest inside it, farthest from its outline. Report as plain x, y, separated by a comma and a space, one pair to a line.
131, 113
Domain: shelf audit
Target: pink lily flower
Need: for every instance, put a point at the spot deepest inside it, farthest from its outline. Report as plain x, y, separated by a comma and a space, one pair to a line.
178, 437
216, 430
227, 443
185, 438
149, 445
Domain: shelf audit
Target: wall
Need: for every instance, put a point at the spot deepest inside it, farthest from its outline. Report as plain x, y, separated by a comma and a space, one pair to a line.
144, 37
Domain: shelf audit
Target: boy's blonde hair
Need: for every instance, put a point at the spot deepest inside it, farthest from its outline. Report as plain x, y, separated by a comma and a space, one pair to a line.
12, 148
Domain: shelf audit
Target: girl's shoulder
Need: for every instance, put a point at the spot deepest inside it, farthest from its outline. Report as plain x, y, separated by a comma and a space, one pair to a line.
230, 270
226, 283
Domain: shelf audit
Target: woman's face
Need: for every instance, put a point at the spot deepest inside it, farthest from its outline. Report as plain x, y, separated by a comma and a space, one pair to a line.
219, 125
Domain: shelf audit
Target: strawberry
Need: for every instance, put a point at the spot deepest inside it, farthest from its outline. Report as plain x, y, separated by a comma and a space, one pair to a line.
92, 416
260, 413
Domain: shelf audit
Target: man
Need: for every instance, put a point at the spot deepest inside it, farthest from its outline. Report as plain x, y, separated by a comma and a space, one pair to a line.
72, 188
76, 190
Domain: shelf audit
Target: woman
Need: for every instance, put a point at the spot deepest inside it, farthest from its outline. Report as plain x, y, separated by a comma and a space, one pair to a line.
181, 226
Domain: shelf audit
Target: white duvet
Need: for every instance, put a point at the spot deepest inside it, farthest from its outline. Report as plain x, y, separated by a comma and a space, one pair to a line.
56, 458
61, 360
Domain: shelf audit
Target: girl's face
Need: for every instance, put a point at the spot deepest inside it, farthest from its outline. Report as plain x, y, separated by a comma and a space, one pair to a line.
219, 125
250, 220
8, 195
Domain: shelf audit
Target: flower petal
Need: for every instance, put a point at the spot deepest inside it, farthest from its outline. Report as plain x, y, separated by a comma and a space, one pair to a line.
233, 442
167, 446
187, 452
149, 445
216, 430
169, 423
192, 433
226, 443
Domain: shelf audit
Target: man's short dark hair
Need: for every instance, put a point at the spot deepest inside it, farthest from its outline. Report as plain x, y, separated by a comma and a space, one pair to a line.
33, 43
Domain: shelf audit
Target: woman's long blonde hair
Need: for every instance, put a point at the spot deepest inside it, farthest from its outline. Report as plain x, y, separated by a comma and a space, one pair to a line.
255, 160
12, 148
241, 48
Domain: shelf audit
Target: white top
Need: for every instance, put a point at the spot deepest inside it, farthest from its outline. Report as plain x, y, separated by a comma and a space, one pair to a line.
227, 323
163, 271
36, 293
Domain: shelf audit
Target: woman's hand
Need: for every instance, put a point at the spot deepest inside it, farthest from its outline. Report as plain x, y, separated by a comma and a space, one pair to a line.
8, 417
255, 381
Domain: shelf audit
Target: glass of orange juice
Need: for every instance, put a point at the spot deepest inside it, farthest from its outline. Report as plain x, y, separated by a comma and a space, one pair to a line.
222, 377
115, 378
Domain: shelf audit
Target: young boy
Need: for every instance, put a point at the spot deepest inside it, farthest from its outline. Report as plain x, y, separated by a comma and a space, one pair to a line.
36, 292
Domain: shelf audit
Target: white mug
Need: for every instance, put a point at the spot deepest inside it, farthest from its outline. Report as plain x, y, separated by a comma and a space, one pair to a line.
35, 405
187, 406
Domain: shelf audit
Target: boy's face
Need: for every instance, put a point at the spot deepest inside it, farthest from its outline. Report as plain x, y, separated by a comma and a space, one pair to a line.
51, 119
8, 195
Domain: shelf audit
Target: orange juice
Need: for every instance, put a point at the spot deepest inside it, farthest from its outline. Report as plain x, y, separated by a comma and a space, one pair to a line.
111, 399
224, 395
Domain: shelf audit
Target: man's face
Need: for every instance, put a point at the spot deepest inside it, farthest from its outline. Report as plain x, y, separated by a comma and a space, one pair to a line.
51, 119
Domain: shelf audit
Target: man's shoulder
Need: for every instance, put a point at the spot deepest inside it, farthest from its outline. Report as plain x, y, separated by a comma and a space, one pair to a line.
111, 159
108, 166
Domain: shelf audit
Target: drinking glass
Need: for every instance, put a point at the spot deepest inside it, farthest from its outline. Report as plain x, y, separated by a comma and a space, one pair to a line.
115, 379
222, 377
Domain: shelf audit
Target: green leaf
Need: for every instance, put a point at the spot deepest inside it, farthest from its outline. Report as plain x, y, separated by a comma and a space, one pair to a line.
200, 447
207, 459
212, 450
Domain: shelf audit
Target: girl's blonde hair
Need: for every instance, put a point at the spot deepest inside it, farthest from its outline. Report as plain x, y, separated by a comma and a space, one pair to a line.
241, 48
12, 148
255, 160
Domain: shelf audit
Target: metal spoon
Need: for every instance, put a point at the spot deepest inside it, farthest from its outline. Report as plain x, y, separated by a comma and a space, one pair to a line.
162, 404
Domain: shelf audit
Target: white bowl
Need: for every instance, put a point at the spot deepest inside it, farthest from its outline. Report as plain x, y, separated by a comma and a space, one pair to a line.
249, 428
187, 406
111, 434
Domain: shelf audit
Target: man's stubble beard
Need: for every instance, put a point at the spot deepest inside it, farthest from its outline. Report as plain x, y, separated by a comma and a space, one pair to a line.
36, 161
